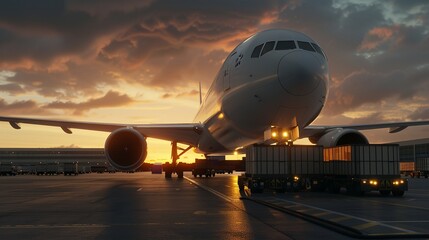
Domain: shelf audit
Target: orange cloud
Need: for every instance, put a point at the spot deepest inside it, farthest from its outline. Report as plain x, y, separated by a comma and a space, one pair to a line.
377, 36
111, 99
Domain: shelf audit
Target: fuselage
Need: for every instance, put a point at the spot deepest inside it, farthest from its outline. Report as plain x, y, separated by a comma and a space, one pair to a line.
274, 78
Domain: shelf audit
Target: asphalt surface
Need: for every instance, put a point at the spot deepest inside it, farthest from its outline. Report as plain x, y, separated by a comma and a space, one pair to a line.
147, 206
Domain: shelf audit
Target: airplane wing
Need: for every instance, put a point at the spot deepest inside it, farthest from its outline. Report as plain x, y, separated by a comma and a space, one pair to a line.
394, 127
187, 133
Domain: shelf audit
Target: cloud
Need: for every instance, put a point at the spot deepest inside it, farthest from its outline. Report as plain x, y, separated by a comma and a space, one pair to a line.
12, 88
27, 107
74, 50
111, 99
191, 93
420, 114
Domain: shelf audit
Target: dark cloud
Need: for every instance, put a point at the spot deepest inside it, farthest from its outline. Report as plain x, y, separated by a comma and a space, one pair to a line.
365, 87
27, 107
67, 49
12, 88
111, 99
420, 114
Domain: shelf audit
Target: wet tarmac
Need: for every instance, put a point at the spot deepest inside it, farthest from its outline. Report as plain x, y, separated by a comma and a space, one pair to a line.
148, 206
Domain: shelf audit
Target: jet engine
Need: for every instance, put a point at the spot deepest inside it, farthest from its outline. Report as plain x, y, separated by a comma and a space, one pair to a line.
126, 149
340, 136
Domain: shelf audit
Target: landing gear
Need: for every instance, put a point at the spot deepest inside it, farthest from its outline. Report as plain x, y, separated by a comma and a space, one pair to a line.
175, 167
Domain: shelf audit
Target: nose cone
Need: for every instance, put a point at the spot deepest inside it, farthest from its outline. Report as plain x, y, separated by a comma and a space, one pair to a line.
300, 72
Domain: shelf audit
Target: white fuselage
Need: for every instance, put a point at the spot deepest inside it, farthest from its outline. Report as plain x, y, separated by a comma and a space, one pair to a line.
274, 78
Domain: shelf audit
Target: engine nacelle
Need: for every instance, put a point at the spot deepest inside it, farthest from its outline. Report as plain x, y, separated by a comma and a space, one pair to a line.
126, 149
340, 136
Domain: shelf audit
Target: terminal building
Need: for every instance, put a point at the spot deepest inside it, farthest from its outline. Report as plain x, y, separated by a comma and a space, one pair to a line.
410, 151
25, 156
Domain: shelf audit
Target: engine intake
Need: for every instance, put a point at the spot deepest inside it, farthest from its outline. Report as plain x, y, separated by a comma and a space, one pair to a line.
340, 136
126, 149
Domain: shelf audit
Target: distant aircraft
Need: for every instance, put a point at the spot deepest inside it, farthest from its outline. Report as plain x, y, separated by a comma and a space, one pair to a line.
269, 89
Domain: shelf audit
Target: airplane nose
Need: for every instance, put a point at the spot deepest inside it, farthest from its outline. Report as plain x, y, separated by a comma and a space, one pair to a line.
300, 72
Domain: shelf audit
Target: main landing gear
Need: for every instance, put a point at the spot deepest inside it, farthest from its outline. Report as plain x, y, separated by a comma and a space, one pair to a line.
175, 167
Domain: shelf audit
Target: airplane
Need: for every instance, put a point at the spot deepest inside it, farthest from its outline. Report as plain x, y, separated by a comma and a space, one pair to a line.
270, 88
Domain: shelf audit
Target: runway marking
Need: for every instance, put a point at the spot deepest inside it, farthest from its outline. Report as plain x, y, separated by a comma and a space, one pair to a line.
321, 214
338, 219
221, 195
349, 216
399, 205
365, 225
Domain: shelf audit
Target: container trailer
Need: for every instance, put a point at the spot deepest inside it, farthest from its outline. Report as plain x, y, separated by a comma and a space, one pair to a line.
422, 167
71, 168
357, 168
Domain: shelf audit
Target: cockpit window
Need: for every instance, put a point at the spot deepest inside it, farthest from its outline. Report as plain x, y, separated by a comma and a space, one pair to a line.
318, 49
257, 51
305, 46
268, 47
285, 45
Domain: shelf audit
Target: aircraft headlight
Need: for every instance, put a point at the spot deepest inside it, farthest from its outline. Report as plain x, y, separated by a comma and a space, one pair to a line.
295, 178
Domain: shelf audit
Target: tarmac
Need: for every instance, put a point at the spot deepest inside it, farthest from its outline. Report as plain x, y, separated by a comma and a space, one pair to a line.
148, 206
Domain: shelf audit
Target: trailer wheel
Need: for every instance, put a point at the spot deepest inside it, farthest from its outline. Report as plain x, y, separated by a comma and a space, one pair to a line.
385, 193
398, 193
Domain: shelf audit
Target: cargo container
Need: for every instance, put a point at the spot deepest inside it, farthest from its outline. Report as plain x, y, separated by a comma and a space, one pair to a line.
71, 168
156, 168
99, 168
41, 169
422, 167
204, 167
52, 168
357, 168
7, 169
212, 165
407, 168
282, 168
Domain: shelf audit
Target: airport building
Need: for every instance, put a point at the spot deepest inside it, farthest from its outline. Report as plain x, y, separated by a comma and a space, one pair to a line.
24, 156
410, 151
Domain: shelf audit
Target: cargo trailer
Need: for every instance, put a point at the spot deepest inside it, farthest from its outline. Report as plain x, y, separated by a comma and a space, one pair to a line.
7, 169
407, 168
357, 168
71, 168
422, 167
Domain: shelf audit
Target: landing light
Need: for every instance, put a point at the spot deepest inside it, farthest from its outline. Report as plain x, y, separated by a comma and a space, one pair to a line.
295, 178
274, 134
285, 134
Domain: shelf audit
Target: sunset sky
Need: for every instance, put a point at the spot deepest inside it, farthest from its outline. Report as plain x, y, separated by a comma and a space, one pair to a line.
140, 61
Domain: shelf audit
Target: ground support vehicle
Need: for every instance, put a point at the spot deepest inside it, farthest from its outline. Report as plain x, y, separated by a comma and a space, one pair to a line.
204, 167
356, 168
7, 169
71, 168
422, 167
52, 168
